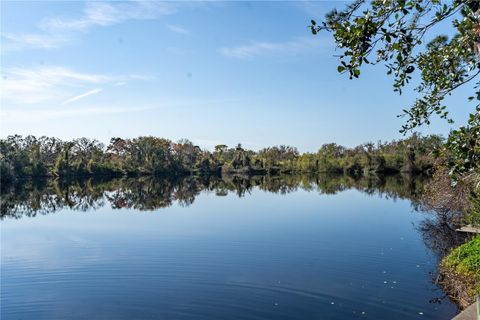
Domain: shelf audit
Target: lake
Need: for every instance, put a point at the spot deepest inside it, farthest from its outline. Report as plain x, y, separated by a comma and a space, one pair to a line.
288, 247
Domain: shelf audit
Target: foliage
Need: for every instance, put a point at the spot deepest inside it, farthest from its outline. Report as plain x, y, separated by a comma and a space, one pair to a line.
414, 154
463, 147
22, 157
473, 216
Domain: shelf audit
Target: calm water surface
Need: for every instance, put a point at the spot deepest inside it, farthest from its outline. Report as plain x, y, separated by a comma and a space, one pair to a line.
130, 253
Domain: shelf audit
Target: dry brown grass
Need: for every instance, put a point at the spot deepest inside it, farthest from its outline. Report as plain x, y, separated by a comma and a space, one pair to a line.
459, 287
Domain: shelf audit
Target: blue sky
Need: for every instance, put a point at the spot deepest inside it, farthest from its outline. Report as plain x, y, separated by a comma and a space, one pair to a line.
212, 72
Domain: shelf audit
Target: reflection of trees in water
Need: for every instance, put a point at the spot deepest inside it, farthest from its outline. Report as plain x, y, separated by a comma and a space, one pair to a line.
46, 196
446, 207
30, 198
439, 235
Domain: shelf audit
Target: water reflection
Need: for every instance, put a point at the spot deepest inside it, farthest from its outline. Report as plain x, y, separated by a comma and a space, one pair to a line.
30, 198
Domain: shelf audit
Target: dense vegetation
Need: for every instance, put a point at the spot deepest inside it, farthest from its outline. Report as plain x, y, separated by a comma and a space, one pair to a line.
30, 157
465, 260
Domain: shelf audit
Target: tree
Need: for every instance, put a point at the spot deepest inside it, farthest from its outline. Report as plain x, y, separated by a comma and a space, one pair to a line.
221, 153
241, 158
62, 164
392, 32
186, 154
84, 151
464, 145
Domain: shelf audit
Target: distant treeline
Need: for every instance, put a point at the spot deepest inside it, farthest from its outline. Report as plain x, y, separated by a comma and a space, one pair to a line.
30, 157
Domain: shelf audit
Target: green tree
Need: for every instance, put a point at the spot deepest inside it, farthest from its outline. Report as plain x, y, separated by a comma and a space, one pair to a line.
62, 164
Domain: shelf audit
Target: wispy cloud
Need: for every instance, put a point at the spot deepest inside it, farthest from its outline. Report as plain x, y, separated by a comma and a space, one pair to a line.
108, 13
256, 48
83, 95
24, 116
57, 31
52, 83
178, 29
135, 76
14, 42
45, 83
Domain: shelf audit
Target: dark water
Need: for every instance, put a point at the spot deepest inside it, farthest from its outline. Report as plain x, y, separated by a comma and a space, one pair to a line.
290, 248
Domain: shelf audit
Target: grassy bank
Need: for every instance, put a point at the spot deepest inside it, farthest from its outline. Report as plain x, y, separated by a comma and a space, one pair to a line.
460, 272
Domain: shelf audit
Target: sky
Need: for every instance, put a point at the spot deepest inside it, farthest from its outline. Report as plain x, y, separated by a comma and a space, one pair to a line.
212, 72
